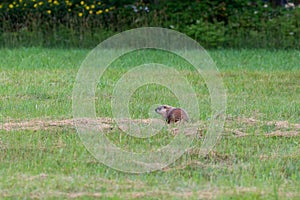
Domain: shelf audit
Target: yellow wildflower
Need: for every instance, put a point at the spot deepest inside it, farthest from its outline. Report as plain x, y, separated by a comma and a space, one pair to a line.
80, 14
11, 6
55, 2
91, 12
106, 10
99, 12
87, 7
41, 3
82, 2
92, 6
49, 12
35, 5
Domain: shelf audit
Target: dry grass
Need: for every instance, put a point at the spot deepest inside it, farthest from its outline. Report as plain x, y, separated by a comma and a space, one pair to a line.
108, 123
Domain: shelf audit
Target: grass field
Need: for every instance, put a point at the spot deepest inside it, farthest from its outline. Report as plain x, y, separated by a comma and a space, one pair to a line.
257, 157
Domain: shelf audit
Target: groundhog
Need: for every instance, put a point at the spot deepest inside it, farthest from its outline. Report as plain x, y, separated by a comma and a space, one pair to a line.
171, 114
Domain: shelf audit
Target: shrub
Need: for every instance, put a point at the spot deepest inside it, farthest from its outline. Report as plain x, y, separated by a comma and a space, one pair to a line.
85, 23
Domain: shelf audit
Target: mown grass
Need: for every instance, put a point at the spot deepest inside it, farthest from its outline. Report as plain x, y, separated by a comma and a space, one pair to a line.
52, 162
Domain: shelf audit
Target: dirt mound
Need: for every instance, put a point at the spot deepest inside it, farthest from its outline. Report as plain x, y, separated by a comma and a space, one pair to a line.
46, 124
280, 128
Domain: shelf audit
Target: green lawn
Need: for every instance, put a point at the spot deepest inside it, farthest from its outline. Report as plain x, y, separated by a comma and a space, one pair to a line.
257, 157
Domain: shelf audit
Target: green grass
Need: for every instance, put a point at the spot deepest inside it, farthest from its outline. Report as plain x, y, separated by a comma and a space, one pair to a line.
263, 89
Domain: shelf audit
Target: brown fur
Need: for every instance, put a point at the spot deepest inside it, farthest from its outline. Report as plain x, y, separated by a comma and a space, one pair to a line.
171, 114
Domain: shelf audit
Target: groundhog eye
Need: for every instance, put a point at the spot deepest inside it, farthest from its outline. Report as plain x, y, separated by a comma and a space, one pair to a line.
165, 107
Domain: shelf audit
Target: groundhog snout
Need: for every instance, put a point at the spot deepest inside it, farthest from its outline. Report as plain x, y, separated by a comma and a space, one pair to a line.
157, 109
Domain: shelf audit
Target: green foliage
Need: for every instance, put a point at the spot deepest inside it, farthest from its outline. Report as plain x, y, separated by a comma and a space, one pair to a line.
206, 33
237, 24
76, 23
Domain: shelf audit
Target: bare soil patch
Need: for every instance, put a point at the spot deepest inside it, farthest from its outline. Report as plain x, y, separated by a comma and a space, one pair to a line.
35, 124
279, 133
44, 124
281, 128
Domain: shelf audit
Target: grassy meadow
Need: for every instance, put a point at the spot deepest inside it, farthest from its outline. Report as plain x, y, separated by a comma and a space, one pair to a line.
257, 157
